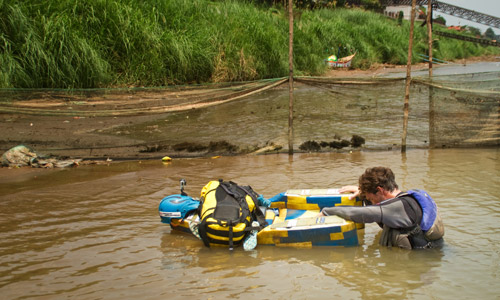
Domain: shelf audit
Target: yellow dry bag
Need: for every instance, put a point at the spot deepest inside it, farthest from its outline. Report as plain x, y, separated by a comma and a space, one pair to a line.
226, 212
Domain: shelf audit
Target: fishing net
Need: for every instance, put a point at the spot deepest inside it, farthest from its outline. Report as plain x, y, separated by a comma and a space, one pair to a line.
445, 111
330, 114
464, 110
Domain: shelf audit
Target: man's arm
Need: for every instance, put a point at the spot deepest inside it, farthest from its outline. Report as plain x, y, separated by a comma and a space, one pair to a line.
358, 214
392, 214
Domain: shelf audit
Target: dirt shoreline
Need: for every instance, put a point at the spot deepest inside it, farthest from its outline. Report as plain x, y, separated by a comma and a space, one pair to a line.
377, 70
88, 137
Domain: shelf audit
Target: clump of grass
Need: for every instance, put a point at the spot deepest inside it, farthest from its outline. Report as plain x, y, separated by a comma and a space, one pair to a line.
43, 50
374, 38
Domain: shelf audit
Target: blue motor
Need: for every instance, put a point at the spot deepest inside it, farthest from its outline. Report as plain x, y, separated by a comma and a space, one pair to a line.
177, 206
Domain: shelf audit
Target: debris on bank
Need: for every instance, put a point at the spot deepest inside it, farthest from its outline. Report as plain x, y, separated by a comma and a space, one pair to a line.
357, 141
21, 156
313, 146
270, 147
212, 147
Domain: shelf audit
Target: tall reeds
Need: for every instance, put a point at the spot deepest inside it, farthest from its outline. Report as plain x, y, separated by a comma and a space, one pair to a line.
103, 43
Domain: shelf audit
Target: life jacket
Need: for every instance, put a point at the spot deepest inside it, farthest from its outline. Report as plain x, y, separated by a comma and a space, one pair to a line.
431, 227
429, 208
226, 213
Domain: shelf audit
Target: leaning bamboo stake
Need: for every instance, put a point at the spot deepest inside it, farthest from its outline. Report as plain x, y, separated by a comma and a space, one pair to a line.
429, 34
290, 78
432, 113
408, 78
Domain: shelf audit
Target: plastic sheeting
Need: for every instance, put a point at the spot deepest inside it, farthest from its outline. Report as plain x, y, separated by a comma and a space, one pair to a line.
20, 156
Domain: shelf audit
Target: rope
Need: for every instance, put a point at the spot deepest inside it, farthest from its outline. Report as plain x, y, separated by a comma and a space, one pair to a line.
244, 90
326, 80
470, 91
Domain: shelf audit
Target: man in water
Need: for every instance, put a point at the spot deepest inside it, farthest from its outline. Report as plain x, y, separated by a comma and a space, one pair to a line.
409, 220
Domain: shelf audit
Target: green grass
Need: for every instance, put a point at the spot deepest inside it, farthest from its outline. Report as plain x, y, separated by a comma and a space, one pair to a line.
106, 43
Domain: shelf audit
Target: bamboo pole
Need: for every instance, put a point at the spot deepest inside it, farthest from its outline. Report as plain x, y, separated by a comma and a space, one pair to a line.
432, 113
290, 78
429, 34
432, 118
408, 78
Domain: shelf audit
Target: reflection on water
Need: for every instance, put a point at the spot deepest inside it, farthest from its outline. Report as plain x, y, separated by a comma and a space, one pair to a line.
93, 232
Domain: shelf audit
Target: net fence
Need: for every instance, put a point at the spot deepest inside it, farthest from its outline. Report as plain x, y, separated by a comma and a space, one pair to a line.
464, 110
330, 114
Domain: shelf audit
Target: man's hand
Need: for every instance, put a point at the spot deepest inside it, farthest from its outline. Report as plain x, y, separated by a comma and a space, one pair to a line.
350, 189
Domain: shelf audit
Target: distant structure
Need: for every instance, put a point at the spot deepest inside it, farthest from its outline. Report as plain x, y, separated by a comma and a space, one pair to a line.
393, 11
452, 10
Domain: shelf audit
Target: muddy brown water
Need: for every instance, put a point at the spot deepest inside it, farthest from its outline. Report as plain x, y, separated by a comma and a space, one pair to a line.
93, 232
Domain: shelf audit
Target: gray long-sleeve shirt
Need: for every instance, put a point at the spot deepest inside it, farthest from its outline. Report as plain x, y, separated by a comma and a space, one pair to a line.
395, 213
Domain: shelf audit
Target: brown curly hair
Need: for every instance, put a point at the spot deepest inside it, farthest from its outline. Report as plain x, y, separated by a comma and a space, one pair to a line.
375, 177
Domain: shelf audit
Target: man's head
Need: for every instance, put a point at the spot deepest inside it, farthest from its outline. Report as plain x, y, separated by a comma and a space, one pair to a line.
377, 183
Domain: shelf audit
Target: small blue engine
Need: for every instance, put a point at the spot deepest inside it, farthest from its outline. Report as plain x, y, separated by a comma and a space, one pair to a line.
177, 206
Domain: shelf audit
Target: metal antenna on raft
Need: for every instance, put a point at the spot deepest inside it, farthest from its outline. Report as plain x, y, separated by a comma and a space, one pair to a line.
183, 183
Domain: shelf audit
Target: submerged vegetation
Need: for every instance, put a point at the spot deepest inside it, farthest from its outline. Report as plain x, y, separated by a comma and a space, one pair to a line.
83, 44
